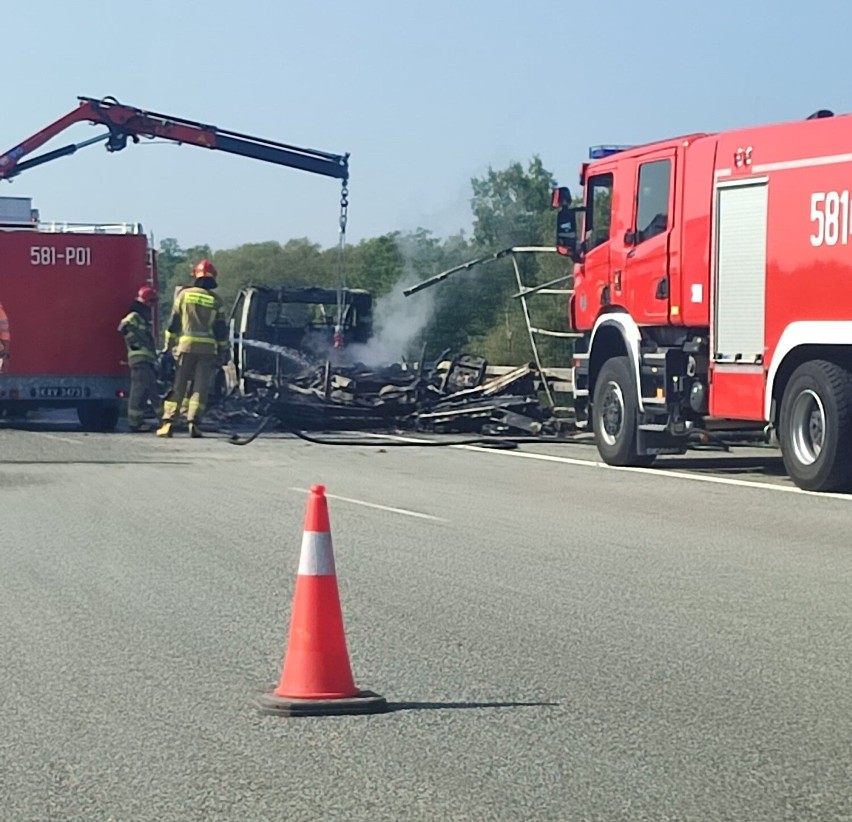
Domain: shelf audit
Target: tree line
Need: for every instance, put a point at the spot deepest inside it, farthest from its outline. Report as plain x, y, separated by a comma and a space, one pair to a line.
470, 312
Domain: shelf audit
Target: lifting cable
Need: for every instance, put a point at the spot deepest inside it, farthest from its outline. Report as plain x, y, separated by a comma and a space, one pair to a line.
341, 262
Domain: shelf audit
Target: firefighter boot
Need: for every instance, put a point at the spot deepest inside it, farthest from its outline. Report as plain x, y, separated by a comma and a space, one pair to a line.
195, 431
165, 430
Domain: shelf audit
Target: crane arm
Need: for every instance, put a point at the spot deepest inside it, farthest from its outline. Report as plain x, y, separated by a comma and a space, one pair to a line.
125, 122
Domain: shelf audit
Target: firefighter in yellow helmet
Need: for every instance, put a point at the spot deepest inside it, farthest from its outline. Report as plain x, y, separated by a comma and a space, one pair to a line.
198, 335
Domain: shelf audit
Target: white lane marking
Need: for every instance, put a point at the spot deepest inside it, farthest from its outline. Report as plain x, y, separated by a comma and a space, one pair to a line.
653, 472
392, 510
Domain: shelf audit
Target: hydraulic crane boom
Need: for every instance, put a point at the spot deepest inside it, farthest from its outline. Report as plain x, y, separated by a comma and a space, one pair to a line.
123, 122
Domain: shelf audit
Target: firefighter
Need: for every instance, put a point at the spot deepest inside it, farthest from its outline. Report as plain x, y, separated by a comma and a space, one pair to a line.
138, 334
4, 337
198, 333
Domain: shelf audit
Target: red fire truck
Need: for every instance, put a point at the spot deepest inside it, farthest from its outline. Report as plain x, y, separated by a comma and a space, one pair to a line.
65, 287
713, 291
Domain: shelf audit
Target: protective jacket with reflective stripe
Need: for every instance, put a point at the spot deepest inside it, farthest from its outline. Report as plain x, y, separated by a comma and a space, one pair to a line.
139, 335
197, 324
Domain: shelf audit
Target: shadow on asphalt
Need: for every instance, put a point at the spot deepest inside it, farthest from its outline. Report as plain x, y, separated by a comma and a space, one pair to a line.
55, 422
770, 466
437, 706
50, 427
46, 427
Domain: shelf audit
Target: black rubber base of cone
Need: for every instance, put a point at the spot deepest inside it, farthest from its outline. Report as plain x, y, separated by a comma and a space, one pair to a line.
365, 703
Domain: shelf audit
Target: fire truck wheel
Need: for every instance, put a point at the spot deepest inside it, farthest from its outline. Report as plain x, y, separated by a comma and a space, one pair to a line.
98, 416
816, 426
614, 415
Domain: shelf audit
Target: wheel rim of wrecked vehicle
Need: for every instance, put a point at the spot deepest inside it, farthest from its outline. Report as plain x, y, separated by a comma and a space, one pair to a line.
807, 427
612, 413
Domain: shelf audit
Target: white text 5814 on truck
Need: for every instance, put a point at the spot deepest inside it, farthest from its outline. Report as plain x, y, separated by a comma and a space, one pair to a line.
713, 287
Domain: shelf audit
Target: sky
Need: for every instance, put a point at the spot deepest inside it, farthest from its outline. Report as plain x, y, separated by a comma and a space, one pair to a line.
424, 96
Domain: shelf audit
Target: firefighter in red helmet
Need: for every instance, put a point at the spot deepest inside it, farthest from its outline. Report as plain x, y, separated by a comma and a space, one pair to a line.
197, 333
138, 331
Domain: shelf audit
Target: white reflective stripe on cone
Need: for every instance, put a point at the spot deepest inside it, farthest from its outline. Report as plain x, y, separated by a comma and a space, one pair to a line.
317, 559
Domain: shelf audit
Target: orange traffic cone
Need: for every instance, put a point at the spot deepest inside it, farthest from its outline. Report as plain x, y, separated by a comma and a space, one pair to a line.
316, 678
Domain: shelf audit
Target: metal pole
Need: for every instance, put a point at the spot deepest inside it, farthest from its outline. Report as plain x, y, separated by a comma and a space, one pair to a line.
523, 296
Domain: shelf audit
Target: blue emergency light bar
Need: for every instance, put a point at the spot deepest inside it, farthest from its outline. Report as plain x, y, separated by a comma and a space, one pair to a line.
599, 152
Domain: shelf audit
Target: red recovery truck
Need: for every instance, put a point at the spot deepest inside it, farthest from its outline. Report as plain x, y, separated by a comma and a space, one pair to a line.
66, 288
713, 291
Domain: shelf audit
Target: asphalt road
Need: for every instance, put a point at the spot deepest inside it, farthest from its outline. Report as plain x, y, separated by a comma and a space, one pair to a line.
558, 640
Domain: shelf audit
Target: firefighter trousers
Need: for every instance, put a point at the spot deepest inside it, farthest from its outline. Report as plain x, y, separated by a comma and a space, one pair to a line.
197, 371
143, 390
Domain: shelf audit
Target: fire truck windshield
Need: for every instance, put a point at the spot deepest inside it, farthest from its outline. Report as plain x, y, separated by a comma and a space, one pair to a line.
653, 207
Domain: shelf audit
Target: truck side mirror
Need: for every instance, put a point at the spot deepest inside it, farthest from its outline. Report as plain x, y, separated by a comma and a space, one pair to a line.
560, 197
567, 235
629, 238
566, 232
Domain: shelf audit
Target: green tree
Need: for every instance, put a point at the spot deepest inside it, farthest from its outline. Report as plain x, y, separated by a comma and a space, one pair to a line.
375, 264
508, 205
476, 310
297, 262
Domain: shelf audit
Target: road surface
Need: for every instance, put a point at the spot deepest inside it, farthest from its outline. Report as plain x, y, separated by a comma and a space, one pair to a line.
557, 640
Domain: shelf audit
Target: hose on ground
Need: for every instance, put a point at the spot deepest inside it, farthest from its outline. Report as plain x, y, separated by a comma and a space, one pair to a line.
487, 442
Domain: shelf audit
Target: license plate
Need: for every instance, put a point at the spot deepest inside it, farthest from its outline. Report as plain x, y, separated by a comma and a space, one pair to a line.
61, 392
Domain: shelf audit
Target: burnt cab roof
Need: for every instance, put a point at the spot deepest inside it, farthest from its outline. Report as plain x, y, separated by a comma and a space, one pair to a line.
312, 294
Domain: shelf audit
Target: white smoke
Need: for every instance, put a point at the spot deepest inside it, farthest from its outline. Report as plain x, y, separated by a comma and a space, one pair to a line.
397, 323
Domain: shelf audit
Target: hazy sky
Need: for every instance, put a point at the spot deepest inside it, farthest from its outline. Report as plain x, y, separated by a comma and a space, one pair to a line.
423, 95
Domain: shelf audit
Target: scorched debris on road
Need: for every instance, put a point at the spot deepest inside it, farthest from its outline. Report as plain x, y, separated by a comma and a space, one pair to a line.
452, 395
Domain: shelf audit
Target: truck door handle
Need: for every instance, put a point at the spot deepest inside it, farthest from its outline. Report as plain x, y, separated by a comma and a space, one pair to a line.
631, 253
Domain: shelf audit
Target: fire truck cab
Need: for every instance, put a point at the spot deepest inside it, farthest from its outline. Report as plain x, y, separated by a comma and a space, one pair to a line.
713, 291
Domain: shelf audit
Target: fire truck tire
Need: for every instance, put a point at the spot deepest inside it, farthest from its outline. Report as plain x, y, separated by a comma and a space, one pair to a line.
615, 413
98, 416
816, 426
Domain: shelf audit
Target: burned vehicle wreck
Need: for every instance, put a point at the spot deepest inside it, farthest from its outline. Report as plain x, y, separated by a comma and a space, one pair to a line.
282, 332
459, 395
298, 358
